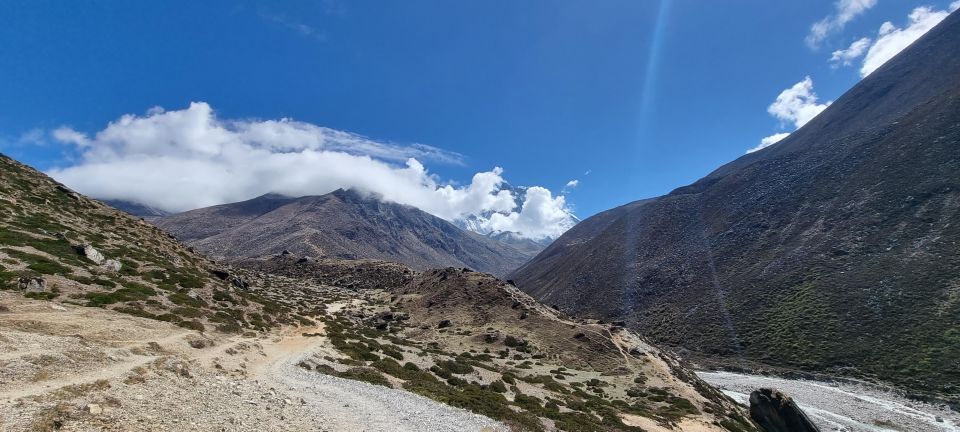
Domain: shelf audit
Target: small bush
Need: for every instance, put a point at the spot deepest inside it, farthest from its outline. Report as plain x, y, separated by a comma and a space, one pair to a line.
455, 366
366, 375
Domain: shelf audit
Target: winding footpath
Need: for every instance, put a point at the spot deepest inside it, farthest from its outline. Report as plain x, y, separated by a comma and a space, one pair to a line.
354, 405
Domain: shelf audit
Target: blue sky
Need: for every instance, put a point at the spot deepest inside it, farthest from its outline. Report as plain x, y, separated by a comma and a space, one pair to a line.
646, 96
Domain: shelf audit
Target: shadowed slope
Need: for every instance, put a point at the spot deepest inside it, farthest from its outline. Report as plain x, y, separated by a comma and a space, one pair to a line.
834, 249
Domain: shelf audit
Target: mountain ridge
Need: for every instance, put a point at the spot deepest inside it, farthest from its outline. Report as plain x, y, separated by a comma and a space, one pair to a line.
343, 224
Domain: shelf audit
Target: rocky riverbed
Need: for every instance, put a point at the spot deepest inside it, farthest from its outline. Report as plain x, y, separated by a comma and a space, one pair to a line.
844, 406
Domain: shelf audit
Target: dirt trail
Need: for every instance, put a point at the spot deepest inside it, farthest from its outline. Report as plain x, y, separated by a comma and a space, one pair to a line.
353, 405
87, 357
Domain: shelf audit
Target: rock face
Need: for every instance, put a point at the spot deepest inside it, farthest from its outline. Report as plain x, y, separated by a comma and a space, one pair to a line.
835, 249
343, 224
777, 412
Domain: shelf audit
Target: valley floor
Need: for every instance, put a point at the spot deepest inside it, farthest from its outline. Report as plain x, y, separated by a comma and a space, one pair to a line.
75, 368
844, 407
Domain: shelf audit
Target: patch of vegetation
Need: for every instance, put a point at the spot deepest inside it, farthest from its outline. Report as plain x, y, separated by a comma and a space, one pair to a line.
38, 263
474, 398
132, 291
183, 299
455, 367
365, 374
42, 295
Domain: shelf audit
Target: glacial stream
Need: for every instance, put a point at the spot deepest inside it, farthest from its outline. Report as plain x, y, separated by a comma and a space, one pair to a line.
844, 406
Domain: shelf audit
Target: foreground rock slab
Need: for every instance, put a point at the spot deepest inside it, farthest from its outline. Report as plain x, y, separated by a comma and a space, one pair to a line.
777, 412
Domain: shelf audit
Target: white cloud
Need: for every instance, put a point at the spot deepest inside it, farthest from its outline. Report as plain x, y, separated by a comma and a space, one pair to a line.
844, 12
853, 52
769, 141
797, 104
542, 215
185, 159
570, 185
892, 39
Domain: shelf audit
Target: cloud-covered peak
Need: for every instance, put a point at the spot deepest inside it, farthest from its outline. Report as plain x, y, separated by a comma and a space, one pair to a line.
185, 159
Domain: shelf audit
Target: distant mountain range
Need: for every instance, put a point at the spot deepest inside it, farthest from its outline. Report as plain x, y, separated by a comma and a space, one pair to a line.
836, 249
348, 225
136, 209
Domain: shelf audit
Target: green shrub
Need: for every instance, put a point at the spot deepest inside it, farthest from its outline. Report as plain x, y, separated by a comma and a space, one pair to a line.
455, 366
366, 375
182, 299
131, 292
192, 325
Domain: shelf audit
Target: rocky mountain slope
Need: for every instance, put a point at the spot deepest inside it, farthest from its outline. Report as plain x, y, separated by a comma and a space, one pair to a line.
477, 343
55, 243
833, 250
342, 224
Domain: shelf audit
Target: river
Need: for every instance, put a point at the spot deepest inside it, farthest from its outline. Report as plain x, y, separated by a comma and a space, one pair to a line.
847, 407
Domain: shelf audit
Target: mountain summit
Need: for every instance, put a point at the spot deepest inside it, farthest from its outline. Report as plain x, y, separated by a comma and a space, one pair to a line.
835, 249
342, 224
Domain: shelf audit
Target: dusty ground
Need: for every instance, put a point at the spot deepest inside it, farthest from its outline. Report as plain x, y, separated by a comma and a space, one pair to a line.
844, 407
73, 368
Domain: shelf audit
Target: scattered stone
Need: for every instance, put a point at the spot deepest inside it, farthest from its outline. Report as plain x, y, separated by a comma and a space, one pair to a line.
444, 323
777, 412
200, 343
94, 409
32, 285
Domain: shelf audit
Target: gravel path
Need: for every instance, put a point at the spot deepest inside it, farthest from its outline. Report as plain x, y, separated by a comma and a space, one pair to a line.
348, 405
844, 407
358, 406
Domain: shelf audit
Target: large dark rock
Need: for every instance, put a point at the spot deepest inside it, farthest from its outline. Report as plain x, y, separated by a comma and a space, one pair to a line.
777, 412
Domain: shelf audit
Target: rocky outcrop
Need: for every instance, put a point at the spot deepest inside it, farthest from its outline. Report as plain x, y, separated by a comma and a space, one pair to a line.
98, 258
777, 412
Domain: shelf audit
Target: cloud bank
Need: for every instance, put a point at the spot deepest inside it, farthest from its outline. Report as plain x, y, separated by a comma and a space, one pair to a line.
797, 105
185, 159
891, 39
844, 12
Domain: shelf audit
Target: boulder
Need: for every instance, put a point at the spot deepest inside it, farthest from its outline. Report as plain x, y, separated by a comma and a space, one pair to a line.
32, 284
90, 252
777, 412
111, 265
